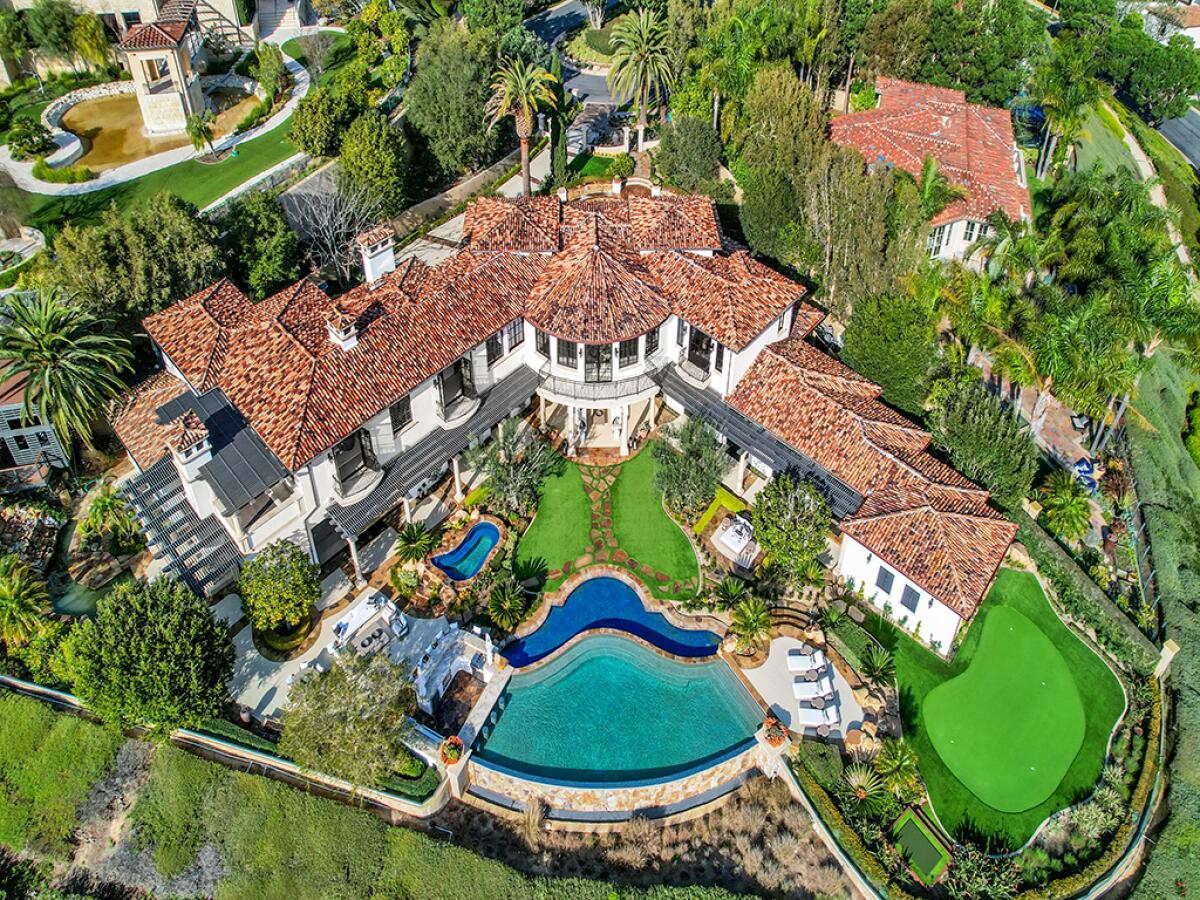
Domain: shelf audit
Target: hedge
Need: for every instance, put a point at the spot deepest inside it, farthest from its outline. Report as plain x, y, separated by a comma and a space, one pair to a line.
1075, 884
1083, 600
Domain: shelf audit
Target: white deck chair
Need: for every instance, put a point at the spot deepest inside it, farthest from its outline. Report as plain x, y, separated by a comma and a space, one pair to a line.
802, 689
799, 661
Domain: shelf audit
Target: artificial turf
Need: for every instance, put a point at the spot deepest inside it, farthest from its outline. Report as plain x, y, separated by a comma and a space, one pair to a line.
562, 527
1009, 726
1005, 709
641, 525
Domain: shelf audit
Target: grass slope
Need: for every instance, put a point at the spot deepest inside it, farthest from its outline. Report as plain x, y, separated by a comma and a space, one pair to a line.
561, 529
919, 672
340, 52
1102, 142
641, 525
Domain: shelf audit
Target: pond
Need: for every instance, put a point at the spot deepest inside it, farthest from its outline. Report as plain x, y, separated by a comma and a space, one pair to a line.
112, 131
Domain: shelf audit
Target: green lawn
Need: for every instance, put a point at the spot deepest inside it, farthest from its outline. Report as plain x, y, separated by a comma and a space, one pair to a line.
340, 53
726, 499
588, 165
641, 525
196, 182
561, 530
998, 733
1102, 143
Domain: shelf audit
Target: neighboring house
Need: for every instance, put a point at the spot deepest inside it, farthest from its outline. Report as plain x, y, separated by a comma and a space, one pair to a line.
310, 418
163, 57
973, 145
21, 442
1164, 21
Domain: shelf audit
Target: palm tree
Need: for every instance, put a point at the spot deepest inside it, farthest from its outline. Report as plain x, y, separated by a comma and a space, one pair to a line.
110, 514
520, 91
1012, 250
23, 602
507, 604
414, 542
1065, 504
729, 592
1158, 304
70, 365
641, 63
751, 624
978, 306
896, 765
877, 667
1067, 89
200, 130
861, 786
934, 190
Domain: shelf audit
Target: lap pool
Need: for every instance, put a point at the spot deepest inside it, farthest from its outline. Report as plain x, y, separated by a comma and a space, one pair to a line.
612, 711
607, 603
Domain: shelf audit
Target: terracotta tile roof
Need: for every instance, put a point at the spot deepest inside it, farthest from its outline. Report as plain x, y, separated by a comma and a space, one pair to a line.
834, 416
375, 235
302, 393
597, 288
972, 144
1185, 16
185, 432
134, 418
730, 298
154, 36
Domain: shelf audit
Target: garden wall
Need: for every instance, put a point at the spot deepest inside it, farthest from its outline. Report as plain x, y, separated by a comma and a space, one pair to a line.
608, 799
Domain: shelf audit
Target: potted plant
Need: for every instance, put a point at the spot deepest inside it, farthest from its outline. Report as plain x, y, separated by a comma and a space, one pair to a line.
774, 732
451, 750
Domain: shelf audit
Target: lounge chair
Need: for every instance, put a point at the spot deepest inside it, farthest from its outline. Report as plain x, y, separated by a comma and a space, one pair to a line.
807, 717
799, 661
802, 689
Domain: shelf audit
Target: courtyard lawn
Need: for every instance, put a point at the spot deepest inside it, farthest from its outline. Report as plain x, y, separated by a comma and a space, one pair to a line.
641, 525
587, 165
196, 182
561, 530
999, 731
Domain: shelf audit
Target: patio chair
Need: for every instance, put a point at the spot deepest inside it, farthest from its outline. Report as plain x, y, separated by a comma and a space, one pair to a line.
798, 661
399, 625
802, 689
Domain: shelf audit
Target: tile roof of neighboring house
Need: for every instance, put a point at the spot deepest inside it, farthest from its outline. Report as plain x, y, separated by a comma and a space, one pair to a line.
1184, 16
973, 144
578, 271
135, 421
834, 416
13, 389
155, 36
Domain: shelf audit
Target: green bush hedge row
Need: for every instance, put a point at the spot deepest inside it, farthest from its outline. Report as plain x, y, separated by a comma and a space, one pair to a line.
66, 175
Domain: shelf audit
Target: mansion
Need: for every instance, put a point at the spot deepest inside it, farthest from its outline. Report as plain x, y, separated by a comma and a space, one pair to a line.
311, 418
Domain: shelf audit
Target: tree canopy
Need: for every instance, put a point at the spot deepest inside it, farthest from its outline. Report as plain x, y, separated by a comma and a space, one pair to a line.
892, 340
279, 586
687, 477
153, 655
375, 158
263, 249
791, 523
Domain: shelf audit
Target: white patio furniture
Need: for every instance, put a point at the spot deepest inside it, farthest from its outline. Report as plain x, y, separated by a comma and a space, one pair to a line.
807, 717
799, 661
804, 689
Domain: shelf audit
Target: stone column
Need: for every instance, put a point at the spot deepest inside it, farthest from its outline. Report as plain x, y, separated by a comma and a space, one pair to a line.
458, 491
407, 510
625, 408
653, 414
742, 470
358, 575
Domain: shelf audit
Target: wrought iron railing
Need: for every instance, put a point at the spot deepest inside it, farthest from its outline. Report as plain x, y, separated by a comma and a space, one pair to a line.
603, 391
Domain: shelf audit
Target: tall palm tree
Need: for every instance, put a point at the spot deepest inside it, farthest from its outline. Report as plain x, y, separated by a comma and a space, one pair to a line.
23, 602
1012, 250
1065, 504
1159, 304
641, 63
896, 765
71, 366
200, 130
520, 90
977, 305
751, 624
934, 190
1067, 89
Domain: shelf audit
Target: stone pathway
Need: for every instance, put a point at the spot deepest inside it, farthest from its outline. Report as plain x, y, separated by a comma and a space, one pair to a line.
598, 482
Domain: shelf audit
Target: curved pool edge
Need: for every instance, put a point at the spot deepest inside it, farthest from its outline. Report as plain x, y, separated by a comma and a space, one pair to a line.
666, 609
619, 633
452, 539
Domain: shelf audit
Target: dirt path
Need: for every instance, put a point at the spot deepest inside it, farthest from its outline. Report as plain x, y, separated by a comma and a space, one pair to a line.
106, 811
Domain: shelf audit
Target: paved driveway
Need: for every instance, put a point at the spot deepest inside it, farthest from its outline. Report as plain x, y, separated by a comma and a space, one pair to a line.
1184, 133
550, 26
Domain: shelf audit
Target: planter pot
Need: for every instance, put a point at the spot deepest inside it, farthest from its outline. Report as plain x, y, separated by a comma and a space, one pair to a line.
451, 750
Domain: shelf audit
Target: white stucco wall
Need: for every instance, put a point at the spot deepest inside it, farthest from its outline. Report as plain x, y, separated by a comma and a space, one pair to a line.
932, 620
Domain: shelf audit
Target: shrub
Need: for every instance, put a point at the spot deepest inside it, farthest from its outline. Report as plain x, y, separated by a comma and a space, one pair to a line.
178, 787
893, 341
321, 119
621, 166
823, 761
690, 153
28, 138
688, 477
66, 175
256, 116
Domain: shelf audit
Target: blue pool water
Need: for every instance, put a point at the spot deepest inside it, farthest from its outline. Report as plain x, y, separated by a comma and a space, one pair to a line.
610, 710
607, 603
465, 560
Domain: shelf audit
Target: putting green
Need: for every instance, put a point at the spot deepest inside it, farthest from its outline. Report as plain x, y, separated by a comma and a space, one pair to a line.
1010, 726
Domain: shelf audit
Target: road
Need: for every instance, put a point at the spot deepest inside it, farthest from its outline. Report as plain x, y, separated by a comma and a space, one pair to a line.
551, 26
1184, 133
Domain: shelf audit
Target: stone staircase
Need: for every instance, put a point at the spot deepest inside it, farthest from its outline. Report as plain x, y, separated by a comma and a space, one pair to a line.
277, 15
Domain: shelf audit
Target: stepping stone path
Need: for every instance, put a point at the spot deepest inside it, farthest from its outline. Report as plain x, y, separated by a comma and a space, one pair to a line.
598, 482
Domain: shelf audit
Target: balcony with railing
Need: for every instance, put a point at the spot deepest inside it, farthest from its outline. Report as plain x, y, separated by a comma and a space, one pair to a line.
571, 390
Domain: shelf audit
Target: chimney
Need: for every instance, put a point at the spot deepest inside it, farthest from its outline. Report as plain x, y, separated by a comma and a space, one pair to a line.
188, 439
562, 195
343, 327
378, 256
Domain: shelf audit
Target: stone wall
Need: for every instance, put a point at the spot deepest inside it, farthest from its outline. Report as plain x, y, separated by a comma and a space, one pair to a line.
616, 798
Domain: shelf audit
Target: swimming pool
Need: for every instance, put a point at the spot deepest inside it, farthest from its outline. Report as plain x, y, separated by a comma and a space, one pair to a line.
465, 560
612, 711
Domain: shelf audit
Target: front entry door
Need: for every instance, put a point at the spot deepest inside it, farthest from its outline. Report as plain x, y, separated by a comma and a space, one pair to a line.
700, 349
597, 362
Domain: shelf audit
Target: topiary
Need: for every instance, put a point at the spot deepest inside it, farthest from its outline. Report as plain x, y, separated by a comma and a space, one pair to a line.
621, 166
